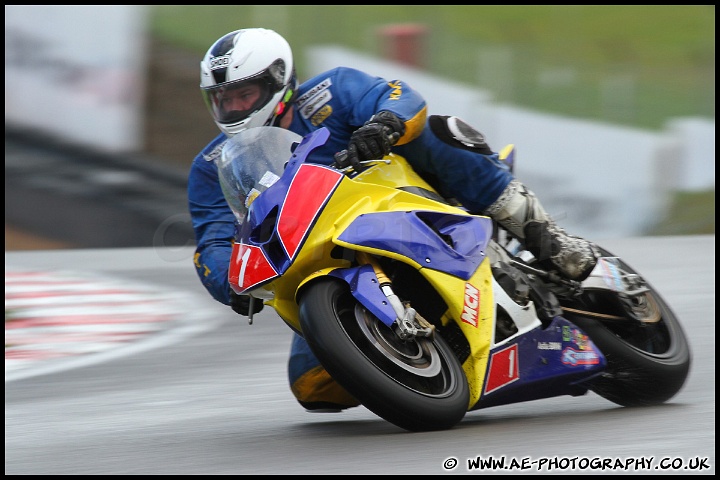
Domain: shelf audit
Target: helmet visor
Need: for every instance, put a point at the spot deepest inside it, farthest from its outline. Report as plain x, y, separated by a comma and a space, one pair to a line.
235, 101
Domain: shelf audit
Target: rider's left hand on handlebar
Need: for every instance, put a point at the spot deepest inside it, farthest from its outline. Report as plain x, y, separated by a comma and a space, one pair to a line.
372, 141
344, 159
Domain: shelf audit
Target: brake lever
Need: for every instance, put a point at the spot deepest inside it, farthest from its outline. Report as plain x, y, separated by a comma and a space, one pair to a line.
341, 156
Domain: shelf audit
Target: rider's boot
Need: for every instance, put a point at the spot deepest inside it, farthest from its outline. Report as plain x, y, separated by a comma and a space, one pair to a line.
519, 211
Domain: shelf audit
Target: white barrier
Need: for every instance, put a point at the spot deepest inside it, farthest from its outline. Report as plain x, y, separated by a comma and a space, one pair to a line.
598, 180
77, 72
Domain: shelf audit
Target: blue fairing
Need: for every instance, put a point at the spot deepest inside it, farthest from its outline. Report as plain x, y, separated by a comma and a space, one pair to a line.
364, 287
271, 201
275, 195
561, 358
441, 241
308, 144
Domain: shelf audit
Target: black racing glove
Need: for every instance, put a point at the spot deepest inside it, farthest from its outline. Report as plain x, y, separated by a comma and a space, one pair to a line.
241, 304
372, 141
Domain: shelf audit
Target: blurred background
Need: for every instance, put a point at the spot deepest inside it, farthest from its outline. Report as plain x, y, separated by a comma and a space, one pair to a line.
611, 108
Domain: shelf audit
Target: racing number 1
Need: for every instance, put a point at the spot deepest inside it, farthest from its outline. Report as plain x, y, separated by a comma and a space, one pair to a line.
243, 259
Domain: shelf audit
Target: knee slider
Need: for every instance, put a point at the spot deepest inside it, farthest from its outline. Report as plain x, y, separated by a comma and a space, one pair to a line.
458, 133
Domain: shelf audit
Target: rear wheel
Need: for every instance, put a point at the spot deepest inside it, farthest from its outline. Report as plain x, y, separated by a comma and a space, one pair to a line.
418, 385
647, 351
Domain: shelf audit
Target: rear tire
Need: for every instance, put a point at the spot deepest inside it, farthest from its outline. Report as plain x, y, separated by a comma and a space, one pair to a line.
417, 385
648, 361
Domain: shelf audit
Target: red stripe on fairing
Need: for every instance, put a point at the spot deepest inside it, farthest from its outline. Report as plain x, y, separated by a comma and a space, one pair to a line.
310, 189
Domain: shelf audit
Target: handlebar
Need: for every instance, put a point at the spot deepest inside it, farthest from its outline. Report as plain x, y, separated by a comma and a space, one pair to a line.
341, 158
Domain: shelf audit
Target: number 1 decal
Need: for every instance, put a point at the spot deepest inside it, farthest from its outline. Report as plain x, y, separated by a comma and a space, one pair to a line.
511, 364
243, 260
249, 268
503, 368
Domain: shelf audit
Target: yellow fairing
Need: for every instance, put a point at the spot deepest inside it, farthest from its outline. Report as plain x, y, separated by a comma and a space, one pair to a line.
374, 190
377, 190
394, 174
477, 328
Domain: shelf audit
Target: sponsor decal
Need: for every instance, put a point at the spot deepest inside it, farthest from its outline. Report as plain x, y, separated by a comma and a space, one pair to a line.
576, 336
397, 90
549, 346
471, 304
215, 152
503, 369
315, 103
324, 85
219, 62
321, 115
570, 356
268, 179
566, 333
251, 196
611, 275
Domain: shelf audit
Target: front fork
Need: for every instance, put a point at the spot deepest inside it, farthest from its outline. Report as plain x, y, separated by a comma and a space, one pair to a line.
408, 324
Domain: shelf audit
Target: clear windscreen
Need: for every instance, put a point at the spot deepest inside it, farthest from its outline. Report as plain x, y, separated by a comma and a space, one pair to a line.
251, 162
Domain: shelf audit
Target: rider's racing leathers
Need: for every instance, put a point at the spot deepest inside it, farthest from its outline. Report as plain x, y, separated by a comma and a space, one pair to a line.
446, 152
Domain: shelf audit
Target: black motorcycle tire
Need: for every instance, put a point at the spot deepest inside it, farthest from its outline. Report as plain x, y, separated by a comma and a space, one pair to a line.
417, 385
647, 364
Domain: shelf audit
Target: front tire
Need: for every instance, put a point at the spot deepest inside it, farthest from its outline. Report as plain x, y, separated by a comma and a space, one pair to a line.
418, 385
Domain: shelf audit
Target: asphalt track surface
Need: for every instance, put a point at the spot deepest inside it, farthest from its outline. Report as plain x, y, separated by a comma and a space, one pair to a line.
207, 393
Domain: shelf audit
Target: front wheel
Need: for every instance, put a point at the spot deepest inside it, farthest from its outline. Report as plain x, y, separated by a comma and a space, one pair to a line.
418, 385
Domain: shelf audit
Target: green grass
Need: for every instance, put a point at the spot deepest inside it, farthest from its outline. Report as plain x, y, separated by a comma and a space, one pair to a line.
634, 65
629, 65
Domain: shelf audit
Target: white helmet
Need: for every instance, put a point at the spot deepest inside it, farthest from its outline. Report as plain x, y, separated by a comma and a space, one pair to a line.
252, 58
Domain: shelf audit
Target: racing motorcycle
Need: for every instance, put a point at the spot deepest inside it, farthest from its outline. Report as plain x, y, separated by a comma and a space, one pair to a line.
423, 311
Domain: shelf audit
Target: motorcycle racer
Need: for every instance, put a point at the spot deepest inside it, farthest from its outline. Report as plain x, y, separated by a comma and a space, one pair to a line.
248, 79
